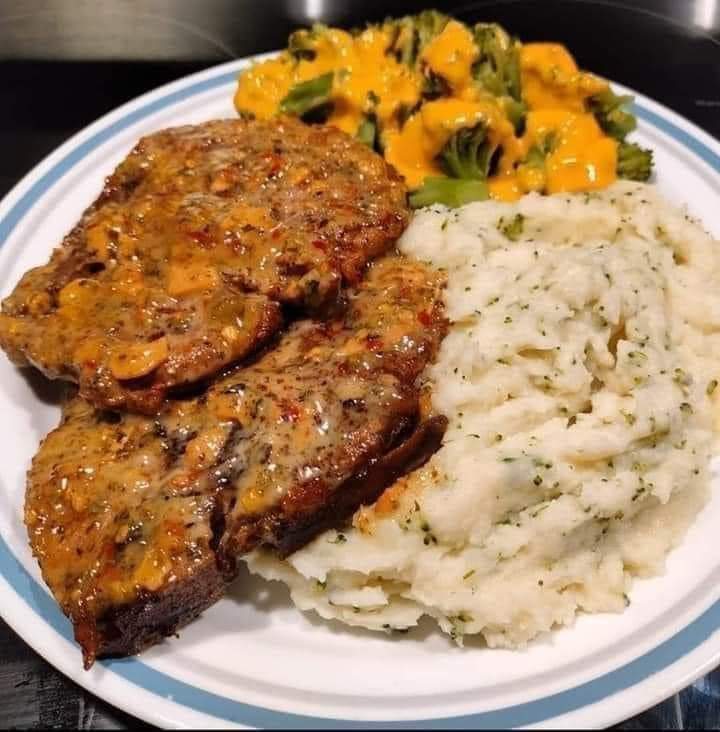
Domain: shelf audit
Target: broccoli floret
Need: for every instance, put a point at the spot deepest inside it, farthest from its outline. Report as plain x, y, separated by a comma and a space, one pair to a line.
611, 113
429, 23
404, 44
450, 192
301, 43
634, 162
308, 96
467, 154
610, 110
412, 33
497, 68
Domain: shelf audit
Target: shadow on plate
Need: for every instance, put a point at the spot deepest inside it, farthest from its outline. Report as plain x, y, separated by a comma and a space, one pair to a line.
50, 392
44, 393
260, 598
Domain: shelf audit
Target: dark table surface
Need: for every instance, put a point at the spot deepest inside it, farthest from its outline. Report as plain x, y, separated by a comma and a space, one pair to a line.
66, 62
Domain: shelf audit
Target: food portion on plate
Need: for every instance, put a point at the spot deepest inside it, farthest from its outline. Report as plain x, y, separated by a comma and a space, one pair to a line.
462, 112
262, 378
579, 378
200, 236
138, 522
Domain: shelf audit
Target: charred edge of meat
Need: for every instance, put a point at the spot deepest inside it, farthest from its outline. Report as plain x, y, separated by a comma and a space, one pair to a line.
367, 486
129, 629
332, 307
289, 535
140, 395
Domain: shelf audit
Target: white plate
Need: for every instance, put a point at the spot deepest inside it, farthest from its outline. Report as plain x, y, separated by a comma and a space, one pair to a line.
252, 660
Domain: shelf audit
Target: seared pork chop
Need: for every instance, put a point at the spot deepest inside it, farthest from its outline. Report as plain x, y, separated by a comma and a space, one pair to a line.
201, 234
138, 522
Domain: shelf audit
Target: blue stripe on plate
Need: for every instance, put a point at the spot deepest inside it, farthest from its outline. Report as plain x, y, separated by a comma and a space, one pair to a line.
156, 682
11, 219
682, 136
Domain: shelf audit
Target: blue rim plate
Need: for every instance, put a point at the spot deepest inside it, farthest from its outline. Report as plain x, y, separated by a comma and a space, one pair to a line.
682, 649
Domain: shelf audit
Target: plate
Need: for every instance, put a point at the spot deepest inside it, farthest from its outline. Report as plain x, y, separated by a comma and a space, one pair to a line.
253, 660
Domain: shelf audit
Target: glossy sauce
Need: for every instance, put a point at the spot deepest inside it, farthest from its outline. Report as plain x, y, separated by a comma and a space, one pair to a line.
584, 157
181, 265
121, 506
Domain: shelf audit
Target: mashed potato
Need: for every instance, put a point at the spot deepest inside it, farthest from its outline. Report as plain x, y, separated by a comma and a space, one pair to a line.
578, 376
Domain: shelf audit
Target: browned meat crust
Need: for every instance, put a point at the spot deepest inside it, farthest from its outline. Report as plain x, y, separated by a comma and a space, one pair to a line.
138, 522
128, 629
361, 489
200, 235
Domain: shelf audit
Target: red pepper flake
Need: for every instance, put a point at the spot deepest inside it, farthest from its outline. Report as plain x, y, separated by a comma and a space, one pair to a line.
174, 528
290, 411
373, 342
425, 318
276, 164
201, 236
320, 244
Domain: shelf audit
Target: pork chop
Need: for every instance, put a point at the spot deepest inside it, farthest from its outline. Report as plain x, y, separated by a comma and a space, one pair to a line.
138, 522
198, 238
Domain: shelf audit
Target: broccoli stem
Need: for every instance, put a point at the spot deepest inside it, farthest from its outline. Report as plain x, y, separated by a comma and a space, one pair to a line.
537, 154
634, 162
516, 112
450, 192
308, 95
367, 132
611, 112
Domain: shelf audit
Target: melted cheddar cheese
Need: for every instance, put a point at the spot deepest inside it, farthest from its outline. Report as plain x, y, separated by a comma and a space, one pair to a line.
451, 55
363, 72
369, 80
552, 80
583, 158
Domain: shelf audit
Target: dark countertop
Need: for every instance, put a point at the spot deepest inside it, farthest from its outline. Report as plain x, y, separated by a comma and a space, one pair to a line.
66, 62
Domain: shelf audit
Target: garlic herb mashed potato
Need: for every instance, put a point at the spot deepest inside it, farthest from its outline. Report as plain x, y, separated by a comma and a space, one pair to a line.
579, 376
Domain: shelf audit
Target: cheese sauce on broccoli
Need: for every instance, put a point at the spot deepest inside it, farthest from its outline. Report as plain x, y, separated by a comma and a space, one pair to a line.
462, 112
